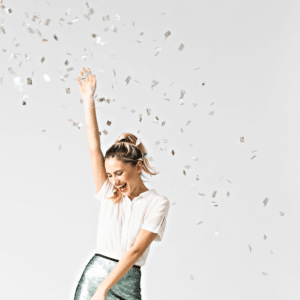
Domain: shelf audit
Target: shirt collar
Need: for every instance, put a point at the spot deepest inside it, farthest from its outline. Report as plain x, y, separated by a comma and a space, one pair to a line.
144, 195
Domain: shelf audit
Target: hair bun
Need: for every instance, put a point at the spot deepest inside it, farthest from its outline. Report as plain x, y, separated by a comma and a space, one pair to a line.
123, 140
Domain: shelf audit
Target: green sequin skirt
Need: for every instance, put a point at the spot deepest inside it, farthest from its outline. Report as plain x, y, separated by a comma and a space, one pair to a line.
97, 269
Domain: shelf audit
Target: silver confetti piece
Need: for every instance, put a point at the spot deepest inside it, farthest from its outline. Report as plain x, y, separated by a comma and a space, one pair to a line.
181, 47
128, 79
182, 94
106, 18
265, 201
167, 34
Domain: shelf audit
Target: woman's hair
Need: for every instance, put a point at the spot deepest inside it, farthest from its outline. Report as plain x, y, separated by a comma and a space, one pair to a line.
126, 151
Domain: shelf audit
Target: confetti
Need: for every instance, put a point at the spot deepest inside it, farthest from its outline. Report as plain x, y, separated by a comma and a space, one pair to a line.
281, 213
98, 40
182, 94
265, 201
46, 77
154, 84
167, 34
128, 79
181, 47
106, 18
242, 140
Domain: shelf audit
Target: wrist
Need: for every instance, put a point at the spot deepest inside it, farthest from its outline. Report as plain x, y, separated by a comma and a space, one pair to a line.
90, 96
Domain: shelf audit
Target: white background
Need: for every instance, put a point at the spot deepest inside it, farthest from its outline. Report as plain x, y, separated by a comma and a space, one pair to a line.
248, 55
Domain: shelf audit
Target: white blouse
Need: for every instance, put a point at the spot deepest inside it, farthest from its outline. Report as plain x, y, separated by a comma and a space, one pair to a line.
120, 223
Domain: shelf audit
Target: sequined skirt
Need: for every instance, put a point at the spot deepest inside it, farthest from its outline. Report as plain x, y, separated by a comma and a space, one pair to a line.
97, 269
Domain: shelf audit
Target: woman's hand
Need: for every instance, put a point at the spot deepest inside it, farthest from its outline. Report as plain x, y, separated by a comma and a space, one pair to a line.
100, 294
88, 87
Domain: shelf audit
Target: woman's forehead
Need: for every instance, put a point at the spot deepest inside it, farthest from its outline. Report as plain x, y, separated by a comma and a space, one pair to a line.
114, 163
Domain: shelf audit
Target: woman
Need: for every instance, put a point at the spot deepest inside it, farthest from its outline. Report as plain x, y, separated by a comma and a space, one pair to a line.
131, 215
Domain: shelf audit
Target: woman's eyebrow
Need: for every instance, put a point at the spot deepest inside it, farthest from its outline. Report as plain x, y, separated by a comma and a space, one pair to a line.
114, 172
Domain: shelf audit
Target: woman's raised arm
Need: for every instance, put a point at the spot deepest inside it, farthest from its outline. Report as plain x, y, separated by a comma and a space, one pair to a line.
87, 90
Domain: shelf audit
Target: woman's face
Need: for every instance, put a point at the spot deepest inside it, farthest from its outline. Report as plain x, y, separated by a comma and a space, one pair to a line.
120, 174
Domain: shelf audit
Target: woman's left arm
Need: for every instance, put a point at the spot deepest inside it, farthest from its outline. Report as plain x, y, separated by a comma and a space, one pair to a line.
141, 243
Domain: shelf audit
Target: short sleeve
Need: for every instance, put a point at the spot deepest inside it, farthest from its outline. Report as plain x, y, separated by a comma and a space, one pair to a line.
105, 191
155, 218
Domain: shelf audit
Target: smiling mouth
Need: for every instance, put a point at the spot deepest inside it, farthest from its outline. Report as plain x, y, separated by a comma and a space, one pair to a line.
123, 187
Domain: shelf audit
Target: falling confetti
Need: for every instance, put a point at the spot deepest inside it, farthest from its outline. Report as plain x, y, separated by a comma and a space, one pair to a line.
106, 18
167, 34
265, 201
181, 47
128, 79
46, 77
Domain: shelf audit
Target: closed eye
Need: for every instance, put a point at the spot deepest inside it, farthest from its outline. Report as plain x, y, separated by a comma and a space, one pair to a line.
117, 174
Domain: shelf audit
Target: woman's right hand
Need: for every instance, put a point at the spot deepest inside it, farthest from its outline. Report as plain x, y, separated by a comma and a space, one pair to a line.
88, 87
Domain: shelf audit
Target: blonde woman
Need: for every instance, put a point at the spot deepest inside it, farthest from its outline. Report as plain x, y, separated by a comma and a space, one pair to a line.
131, 215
